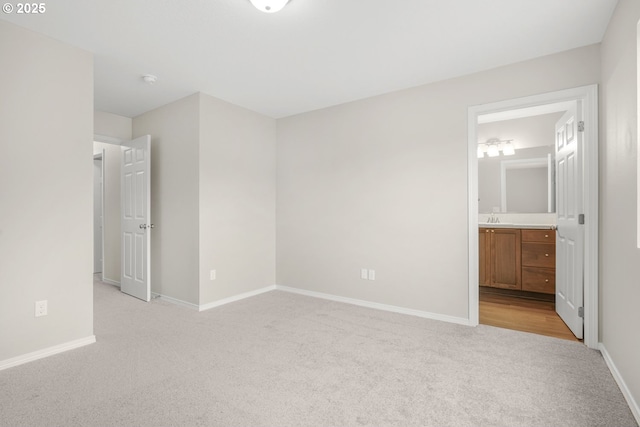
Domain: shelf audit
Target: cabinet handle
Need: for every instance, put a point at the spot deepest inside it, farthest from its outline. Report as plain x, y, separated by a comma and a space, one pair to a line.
493, 231
546, 254
546, 235
486, 231
546, 280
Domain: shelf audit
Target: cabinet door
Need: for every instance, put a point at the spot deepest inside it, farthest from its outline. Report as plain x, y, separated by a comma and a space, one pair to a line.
539, 236
542, 280
485, 257
505, 258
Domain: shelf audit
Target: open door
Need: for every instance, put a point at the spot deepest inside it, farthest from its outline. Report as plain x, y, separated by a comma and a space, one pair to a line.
570, 233
135, 217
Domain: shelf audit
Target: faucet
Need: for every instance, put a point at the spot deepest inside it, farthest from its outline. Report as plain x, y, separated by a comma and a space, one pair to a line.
493, 219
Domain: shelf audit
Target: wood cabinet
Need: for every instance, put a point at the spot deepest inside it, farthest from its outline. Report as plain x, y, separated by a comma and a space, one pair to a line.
539, 261
484, 252
500, 259
512, 258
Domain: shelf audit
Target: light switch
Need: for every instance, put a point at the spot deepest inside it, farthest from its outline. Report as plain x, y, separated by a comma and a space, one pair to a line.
372, 275
364, 274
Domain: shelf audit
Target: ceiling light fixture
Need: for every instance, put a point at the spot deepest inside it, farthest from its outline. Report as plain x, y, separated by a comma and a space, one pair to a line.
149, 78
269, 6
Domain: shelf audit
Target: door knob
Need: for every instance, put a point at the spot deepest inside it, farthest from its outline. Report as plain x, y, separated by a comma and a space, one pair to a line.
143, 226
152, 226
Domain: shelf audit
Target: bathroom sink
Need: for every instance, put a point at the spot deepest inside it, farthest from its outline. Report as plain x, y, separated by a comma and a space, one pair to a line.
494, 224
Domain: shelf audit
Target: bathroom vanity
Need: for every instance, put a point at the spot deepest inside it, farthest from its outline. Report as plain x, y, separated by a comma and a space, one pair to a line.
518, 257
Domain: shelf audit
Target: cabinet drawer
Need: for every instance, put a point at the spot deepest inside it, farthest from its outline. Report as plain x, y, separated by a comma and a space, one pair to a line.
539, 255
540, 236
539, 280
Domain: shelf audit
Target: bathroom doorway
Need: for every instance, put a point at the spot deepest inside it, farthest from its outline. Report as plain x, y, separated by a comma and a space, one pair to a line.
517, 217
531, 249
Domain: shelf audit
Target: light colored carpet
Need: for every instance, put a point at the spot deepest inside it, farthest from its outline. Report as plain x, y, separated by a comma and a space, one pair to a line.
280, 359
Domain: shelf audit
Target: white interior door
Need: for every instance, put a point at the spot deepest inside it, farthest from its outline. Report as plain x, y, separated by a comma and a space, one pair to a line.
569, 236
135, 217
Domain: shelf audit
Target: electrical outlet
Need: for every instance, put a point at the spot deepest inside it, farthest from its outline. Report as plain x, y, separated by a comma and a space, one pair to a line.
212, 275
364, 275
372, 275
41, 308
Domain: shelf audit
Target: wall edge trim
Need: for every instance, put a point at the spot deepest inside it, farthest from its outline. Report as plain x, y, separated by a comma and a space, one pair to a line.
111, 282
46, 352
174, 301
235, 298
377, 306
633, 404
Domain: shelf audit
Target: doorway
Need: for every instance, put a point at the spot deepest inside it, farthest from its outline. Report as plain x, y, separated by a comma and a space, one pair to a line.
587, 97
109, 152
98, 214
516, 186
126, 214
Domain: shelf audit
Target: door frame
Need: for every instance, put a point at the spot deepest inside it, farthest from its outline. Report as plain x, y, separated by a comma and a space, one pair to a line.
101, 157
588, 95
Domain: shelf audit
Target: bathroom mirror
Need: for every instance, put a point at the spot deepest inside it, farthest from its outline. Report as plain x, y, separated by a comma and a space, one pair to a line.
528, 185
523, 182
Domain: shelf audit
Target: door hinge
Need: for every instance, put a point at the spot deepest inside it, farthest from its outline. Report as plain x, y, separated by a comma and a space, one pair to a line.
581, 312
580, 126
581, 219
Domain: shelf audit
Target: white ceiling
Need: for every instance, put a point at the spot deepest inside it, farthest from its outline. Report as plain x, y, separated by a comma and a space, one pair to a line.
310, 55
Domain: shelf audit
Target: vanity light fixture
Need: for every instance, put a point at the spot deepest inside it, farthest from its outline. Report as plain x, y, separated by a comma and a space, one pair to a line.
481, 150
269, 6
507, 149
494, 146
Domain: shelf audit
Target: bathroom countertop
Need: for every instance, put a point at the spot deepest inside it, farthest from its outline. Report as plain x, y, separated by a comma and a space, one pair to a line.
509, 225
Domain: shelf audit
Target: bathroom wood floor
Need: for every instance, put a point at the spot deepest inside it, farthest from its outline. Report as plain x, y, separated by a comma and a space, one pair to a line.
521, 314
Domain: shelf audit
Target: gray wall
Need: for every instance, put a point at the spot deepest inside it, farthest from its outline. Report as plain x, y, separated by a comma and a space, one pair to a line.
212, 198
237, 199
174, 130
619, 255
112, 125
46, 191
382, 184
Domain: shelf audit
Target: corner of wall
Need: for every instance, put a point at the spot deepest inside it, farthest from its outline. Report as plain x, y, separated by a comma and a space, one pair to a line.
112, 125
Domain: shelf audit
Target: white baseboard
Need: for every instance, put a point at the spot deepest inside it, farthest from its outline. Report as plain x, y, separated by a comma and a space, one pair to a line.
111, 282
377, 306
236, 298
633, 405
175, 301
46, 352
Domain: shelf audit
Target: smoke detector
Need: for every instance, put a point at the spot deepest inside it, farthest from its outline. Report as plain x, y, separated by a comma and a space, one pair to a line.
149, 78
